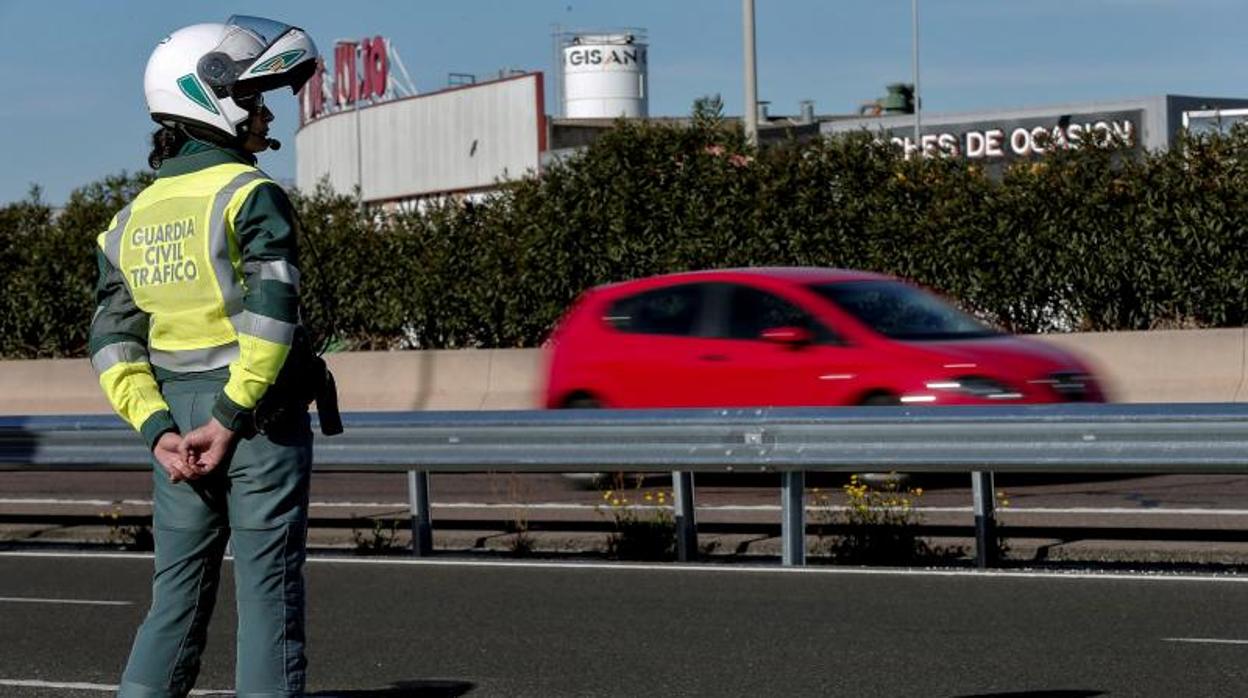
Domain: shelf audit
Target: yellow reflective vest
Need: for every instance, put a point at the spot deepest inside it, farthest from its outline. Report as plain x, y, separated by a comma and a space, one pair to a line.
198, 277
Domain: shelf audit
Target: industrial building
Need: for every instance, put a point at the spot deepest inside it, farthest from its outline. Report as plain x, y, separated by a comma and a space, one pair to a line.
366, 130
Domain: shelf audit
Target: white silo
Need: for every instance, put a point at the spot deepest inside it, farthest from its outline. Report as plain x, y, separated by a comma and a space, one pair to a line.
605, 74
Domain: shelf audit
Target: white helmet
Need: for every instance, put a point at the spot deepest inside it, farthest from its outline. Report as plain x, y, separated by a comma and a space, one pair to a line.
199, 74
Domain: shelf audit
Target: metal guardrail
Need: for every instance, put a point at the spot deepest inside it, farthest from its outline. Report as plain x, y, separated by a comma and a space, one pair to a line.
1135, 438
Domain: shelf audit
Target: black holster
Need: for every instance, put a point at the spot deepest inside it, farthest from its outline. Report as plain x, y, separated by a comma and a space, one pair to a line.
304, 379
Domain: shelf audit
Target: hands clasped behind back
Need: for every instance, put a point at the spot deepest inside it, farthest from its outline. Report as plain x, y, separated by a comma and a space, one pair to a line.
166, 453
194, 455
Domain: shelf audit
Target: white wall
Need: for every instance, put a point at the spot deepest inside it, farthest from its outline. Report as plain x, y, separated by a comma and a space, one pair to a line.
460, 139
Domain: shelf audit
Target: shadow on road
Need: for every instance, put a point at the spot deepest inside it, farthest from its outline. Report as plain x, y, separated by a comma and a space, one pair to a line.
404, 689
1036, 694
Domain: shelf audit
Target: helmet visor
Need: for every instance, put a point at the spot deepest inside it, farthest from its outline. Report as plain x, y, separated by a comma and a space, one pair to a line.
247, 41
287, 57
265, 31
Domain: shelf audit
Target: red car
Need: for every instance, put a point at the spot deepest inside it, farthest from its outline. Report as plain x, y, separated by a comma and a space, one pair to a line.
793, 337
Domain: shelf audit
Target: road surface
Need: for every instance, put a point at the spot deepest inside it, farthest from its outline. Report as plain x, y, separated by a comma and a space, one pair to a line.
451, 628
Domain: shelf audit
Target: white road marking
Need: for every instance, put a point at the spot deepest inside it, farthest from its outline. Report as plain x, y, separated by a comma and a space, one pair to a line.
101, 687
707, 569
1205, 640
80, 502
572, 506
68, 602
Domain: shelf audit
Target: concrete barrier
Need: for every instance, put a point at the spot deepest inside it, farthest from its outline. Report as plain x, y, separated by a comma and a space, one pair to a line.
50, 386
1164, 365
472, 379
1157, 366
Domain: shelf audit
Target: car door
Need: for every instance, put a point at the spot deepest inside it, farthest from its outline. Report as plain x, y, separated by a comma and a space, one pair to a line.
657, 339
744, 368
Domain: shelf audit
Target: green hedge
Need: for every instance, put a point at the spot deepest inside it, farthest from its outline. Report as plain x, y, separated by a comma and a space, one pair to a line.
48, 268
1083, 240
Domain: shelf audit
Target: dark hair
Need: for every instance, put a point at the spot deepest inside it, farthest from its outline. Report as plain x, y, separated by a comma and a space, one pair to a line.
166, 142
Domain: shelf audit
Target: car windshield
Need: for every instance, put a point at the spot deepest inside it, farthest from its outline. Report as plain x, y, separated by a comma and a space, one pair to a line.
901, 311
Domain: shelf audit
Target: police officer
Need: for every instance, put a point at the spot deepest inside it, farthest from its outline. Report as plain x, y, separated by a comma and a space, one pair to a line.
198, 310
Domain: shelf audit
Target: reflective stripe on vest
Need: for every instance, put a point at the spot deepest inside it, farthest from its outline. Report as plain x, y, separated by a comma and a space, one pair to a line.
119, 352
192, 360
274, 270
112, 245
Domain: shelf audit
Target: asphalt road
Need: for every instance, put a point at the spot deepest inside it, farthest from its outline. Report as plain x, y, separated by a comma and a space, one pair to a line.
395, 628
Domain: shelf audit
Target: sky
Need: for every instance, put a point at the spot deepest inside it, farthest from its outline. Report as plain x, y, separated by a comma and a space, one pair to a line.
72, 70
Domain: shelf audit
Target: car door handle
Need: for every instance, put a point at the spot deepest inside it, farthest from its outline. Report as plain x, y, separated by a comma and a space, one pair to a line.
713, 357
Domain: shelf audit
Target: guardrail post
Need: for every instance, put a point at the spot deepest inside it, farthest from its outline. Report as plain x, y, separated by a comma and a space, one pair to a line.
422, 523
984, 493
793, 519
686, 523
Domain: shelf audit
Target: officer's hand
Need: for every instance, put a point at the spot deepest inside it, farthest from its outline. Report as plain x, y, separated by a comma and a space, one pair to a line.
207, 447
166, 452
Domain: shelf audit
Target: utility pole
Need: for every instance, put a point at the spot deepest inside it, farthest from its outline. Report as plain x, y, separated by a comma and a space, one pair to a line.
918, 104
751, 76
359, 151
556, 66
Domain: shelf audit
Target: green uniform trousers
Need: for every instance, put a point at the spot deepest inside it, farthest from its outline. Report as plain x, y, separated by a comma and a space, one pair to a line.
259, 500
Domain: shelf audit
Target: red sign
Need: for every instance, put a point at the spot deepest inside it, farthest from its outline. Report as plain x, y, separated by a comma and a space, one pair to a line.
376, 68
361, 71
345, 85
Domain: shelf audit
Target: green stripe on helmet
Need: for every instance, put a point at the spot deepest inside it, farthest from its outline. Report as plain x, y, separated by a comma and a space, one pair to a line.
195, 92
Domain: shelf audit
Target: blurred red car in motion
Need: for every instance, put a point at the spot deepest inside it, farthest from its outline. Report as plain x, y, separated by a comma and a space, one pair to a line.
793, 337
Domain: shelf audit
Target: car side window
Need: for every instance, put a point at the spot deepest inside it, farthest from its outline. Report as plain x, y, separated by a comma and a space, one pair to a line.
674, 310
751, 311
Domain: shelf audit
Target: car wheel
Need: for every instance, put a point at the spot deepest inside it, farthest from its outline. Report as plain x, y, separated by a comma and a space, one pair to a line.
880, 400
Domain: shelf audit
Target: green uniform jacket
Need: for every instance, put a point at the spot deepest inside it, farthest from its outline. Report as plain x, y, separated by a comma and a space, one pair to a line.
198, 278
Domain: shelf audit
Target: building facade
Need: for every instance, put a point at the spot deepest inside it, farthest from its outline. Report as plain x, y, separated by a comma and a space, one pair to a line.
458, 141
1150, 123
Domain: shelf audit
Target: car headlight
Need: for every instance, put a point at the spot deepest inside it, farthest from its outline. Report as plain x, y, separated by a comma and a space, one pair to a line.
977, 386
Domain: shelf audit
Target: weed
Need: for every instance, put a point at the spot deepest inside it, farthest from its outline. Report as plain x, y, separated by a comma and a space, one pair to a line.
879, 526
129, 537
1003, 545
643, 531
381, 540
518, 492
522, 543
